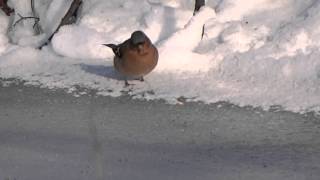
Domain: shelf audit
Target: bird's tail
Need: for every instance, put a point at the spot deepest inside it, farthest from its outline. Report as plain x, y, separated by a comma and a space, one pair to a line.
112, 46
115, 48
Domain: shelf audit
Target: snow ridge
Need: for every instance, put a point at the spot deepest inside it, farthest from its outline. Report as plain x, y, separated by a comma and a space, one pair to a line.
260, 53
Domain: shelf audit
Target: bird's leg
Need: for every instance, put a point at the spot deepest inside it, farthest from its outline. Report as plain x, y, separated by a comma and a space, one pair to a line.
140, 79
126, 82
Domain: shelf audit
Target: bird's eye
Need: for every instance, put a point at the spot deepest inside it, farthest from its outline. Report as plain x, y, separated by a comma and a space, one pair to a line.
140, 44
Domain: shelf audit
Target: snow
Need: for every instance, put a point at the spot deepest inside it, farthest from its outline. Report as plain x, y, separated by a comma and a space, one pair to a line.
3, 38
87, 40
260, 53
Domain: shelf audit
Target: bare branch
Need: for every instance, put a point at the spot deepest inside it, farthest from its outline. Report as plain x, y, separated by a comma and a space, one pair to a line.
5, 8
32, 7
70, 17
27, 17
203, 29
198, 5
37, 19
36, 25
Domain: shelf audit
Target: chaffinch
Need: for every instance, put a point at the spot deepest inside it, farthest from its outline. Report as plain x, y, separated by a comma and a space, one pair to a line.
135, 57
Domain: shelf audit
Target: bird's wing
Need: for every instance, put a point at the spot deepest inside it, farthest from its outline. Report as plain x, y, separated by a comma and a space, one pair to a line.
115, 49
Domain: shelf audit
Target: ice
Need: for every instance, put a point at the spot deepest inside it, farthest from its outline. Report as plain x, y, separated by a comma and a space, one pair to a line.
259, 53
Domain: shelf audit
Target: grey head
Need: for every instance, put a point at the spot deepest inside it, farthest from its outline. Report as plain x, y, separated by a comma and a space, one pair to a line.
138, 37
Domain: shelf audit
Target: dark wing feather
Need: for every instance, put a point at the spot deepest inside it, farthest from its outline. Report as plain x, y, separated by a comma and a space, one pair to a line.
115, 49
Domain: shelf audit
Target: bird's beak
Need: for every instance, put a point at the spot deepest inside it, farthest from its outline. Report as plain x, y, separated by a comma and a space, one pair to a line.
140, 47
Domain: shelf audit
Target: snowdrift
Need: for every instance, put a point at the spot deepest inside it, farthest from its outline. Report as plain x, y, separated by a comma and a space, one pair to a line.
259, 53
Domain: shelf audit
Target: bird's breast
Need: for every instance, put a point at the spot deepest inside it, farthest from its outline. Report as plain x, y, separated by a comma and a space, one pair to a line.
136, 64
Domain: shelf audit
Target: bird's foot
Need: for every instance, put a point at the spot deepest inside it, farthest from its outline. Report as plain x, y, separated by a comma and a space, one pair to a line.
126, 84
140, 79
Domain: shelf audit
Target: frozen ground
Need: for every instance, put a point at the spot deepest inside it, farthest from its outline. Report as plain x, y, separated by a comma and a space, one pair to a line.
260, 53
49, 134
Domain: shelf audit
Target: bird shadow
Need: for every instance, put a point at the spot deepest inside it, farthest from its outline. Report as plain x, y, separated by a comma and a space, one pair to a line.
101, 70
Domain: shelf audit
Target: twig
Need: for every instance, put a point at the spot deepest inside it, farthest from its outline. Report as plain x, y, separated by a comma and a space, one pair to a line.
27, 17
70, 17
36, 26
32, 7
203, 29
198, 5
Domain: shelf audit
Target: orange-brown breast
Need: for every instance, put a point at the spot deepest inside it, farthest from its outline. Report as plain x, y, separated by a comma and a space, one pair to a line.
136, 63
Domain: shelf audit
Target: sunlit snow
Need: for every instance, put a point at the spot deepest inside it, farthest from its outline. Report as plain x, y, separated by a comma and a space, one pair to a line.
260, 53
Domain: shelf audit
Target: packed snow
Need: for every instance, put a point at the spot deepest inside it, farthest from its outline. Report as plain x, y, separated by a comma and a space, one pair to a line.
260, 53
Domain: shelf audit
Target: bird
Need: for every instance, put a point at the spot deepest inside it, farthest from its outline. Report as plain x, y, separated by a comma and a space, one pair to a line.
135, 57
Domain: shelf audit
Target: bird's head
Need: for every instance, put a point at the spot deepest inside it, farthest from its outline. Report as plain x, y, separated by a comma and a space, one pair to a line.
138, 37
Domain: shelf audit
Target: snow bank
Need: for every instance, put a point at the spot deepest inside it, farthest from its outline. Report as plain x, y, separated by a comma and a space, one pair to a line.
259, 53
81, 42
185, 40
3, 31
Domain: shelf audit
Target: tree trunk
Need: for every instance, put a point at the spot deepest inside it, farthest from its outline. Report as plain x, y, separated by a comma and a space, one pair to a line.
198, 5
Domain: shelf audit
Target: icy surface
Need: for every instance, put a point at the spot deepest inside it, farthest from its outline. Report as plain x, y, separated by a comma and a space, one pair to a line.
259, 53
